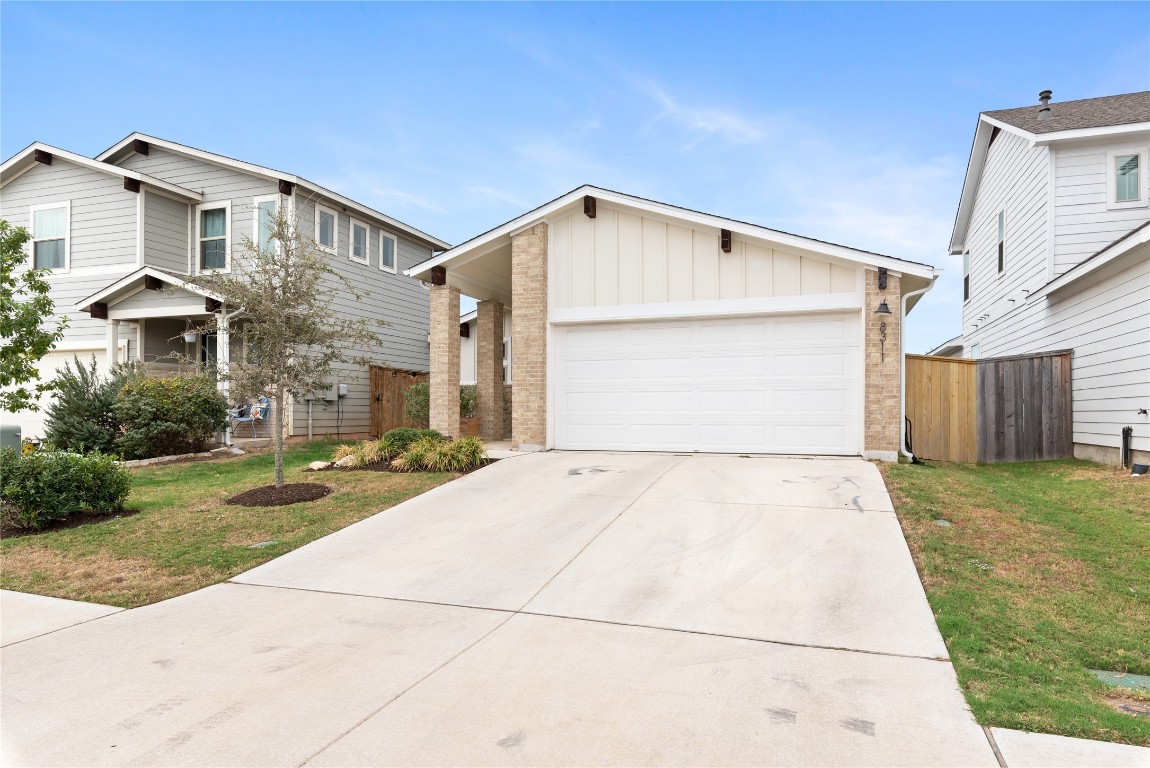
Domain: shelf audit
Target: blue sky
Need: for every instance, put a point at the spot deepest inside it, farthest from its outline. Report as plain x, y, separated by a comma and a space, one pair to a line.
845, 122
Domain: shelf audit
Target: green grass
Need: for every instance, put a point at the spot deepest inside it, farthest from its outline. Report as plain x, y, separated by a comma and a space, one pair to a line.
185, 536
1044, 574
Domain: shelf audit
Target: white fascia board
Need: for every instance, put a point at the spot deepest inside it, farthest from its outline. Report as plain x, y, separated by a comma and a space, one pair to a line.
468, 317
20, 158
974, 165
1093, 264
462, 253
274, 175
127, 280
1109, 131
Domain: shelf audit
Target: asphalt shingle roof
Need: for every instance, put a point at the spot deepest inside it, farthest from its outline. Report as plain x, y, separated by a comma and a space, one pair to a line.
1083, 113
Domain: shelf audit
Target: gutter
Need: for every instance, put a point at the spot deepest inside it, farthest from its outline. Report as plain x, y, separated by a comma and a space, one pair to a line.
902, 373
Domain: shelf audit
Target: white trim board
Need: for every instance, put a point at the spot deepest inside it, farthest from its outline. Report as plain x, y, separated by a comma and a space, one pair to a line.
16, 165
831, 302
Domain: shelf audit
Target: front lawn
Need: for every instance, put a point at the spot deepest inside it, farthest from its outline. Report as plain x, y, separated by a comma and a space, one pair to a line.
1043, 574
185, 537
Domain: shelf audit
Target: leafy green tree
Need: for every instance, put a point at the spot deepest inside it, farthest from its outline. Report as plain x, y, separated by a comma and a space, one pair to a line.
25, 308
285, 296
82, 417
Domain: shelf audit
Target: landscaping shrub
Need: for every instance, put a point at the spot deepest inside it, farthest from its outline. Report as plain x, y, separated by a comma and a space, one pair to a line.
438, 456
81, 416
39, 487
396, 441
161, 417
365, 452
417, 403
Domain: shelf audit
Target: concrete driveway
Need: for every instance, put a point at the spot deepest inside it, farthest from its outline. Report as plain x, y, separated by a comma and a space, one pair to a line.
552, 609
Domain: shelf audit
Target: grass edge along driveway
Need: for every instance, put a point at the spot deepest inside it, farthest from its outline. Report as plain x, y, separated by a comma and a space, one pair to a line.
1042, 574
180, 535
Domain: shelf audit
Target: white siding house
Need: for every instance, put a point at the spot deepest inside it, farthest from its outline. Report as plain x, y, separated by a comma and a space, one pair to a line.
142, 219
1052, 225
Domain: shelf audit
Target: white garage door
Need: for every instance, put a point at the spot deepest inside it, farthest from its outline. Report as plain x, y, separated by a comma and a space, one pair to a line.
752, 385
31, 423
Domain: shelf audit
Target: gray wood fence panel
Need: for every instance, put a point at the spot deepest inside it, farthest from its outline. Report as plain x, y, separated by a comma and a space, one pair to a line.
1025, 406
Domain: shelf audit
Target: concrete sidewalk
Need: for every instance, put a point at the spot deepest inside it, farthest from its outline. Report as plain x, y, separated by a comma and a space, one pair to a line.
561, 608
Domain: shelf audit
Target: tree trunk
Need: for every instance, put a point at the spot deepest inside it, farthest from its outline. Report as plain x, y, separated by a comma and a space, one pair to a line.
279, 420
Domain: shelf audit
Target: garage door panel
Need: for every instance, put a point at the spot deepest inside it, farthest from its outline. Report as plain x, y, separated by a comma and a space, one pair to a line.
772, 385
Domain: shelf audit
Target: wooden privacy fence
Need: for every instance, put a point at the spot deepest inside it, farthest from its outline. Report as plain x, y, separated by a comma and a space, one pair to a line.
388, 386
997, 409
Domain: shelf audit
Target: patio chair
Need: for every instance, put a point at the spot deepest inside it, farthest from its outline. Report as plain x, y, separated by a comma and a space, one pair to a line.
253, 415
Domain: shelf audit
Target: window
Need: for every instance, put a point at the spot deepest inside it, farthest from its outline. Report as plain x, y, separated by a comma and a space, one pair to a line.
215, 223
975, 351
966, 276
1126, 178
50, 225
358, 242
506, 359
387, 252
325, 228
264, 217
1001, 240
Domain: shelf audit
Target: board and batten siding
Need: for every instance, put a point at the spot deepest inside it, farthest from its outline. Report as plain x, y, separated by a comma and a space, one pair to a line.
399, 301
1084, 222
1013, 180
1107, 324
166, 223
623, 258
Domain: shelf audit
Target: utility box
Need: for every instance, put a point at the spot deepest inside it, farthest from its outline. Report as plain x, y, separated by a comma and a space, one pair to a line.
10, 436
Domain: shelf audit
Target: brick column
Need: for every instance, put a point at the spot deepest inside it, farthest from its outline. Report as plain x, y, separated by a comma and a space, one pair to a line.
489, 368
529, 338
881, 412
444, 377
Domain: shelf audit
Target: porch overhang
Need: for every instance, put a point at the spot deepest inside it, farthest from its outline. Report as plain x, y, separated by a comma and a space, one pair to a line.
187, 298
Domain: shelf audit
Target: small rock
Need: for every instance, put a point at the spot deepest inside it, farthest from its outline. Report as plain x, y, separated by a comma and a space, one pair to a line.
261, 545
943, 523
346, 461
236, 451
316, 466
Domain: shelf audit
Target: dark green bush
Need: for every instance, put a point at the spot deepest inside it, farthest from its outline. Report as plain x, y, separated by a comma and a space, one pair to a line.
399, 440
162, 417
39, 487
417, 402
81, 416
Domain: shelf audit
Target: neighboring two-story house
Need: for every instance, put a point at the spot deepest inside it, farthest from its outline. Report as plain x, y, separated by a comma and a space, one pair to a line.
1053, 229
125, 235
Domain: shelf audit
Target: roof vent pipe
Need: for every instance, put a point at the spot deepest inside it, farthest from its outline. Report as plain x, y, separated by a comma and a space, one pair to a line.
1044, 111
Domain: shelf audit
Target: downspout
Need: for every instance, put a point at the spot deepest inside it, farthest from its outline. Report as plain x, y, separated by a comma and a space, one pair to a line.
226, 385
902, 373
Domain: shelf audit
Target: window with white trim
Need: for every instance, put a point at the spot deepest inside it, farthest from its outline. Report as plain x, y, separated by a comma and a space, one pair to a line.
975, 351
1001, 240
51, 225
388, 247
326, 228
357, 248
264, 219
1126, 178
215, 222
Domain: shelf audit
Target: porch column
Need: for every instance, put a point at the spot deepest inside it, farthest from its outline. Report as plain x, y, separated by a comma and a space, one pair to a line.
223, 353
529, 338
883, 385
112, 338
444, 384
489, 368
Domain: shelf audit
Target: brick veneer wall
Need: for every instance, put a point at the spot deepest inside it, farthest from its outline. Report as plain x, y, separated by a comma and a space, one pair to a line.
881, 412
506, 412
489, 368
529, 337
444, 378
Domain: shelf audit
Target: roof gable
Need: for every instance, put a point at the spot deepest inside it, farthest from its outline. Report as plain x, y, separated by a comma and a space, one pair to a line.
25, 159
124, 148
1101, 112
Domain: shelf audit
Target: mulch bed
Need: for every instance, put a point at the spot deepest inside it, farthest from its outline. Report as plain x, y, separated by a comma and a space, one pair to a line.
270, 496
385, 466
9, 531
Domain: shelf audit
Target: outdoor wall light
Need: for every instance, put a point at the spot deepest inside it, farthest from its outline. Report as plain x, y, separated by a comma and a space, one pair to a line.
883, 309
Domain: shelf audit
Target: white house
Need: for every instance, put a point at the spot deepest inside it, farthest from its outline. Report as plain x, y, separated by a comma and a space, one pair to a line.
1052, 226
638, 325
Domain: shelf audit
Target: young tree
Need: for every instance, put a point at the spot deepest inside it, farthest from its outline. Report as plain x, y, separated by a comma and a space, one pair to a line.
283, 296
24, 308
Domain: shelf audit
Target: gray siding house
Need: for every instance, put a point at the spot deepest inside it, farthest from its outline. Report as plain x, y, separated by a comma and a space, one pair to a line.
126, 233
1054, 229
